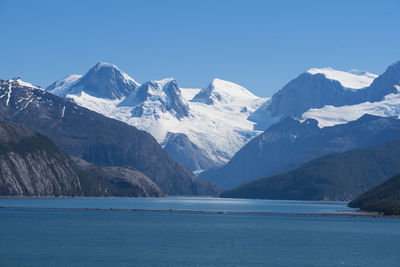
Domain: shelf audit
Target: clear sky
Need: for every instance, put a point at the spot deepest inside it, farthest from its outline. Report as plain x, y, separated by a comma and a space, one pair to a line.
259, 44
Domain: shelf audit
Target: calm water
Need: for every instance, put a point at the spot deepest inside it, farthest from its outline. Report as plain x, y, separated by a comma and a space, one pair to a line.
110, 238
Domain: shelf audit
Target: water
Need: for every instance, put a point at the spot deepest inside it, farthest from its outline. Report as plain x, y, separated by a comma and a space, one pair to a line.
185, 203
108, 238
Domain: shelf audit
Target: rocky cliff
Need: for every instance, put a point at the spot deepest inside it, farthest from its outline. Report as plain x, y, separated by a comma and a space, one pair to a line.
32, 165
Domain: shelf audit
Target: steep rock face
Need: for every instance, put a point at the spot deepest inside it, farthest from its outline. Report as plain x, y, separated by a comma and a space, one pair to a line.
338, 176
32, 165
103, 80
97, 139
187, 153
290, 143
155, 97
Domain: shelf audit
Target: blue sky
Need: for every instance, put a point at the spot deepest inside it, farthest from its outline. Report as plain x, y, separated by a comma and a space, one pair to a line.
258, 44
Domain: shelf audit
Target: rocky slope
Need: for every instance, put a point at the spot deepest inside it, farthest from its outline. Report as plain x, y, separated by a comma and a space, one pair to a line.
384, 198
338, 176
96, 138
32, 165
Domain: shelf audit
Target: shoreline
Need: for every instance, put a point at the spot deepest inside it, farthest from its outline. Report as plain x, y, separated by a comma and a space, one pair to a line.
360, 215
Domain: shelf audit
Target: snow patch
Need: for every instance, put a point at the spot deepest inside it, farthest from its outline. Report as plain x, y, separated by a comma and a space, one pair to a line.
330, 115
354, 79
63, 112
27, 104
60, 86
9, 94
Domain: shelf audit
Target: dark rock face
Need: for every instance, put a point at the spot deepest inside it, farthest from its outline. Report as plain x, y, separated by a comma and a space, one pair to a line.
315, 91
96, 138
32, 165
179, 146
338, 176
103, 80
289, 144
166, 94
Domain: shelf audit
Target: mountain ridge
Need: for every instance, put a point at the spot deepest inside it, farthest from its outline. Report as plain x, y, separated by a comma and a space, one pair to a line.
338, 176
290, 143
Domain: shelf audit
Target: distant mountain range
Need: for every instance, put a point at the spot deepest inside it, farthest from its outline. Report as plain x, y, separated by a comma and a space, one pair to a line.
338, 176
290, 143
295, 140
95, 138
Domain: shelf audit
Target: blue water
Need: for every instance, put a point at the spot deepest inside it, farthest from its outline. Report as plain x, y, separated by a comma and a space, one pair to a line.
40, 237
184, 203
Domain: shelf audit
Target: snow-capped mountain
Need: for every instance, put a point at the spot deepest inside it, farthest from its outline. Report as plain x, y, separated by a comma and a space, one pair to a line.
356, 107
382, 98
215, 118
221, 92
315, 89
104, 80
223, 116
156, 97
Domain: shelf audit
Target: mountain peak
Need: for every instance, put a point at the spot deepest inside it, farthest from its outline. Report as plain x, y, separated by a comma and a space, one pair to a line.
164, 81
102, 64
104, 80
221, 91
20, 82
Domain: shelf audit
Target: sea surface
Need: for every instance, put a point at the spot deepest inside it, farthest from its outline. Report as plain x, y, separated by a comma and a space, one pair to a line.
112, 232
